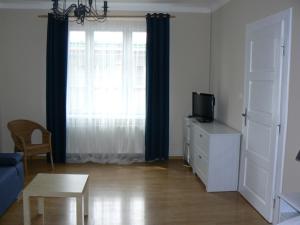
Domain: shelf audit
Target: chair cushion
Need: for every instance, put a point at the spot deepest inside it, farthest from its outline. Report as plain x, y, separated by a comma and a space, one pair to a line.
10, 159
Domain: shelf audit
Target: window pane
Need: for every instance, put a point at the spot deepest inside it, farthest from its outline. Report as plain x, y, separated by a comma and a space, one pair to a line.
108, 56
106, 74
108, 37
139, 71
77, 37
77, 66
108, 61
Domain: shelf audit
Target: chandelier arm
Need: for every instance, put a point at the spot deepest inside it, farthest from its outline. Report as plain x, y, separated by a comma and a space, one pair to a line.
70, 9
88, 10
60, 12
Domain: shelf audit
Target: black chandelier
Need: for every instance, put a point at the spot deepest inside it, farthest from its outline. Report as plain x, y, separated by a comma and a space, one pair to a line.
80, 11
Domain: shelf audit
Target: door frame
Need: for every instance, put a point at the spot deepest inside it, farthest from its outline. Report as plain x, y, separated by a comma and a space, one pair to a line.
285, 15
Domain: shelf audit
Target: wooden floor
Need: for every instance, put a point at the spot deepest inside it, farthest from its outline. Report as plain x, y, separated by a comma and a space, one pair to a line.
140, 194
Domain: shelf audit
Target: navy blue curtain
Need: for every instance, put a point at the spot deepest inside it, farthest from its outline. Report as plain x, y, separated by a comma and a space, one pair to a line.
56, 84
157, 87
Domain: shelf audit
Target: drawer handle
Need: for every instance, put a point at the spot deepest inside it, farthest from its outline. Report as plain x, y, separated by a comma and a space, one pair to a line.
200, 157
201, 135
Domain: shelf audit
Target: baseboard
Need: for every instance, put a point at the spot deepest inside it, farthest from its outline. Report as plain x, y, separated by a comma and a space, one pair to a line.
38, 157
176, 157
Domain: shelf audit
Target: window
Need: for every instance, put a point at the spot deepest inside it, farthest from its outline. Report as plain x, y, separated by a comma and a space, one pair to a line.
106, 73
106, 92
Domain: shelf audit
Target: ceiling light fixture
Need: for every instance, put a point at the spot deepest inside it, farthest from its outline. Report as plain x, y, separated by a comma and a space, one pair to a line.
80, 10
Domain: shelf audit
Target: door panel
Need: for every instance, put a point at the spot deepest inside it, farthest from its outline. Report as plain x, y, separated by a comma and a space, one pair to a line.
259, 139
255, 178
261, 96
264, 50
262, 100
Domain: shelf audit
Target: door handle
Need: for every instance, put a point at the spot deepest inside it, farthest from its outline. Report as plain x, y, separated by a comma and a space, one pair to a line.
245, 116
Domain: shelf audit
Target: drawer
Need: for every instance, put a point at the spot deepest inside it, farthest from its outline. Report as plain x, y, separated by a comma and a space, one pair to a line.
200, 150
201, 139
200, 147
201, 166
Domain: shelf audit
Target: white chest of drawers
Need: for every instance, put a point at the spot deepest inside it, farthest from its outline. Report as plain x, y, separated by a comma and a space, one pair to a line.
215, 152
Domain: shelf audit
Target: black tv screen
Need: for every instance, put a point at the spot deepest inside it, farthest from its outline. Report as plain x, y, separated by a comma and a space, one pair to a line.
203, 107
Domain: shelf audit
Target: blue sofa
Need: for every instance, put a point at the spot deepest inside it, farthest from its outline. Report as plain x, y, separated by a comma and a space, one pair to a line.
11, 179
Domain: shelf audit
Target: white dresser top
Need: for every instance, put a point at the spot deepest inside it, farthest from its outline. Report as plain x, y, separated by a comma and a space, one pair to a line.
215, 127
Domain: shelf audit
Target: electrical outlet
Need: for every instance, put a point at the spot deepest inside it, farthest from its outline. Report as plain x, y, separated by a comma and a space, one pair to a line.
298, 156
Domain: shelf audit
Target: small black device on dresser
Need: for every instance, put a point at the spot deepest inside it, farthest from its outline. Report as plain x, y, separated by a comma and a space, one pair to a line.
203, 107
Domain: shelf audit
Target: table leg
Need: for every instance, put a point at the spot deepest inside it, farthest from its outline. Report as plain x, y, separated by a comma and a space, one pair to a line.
41, 208
26, 209
86, 199
79, 211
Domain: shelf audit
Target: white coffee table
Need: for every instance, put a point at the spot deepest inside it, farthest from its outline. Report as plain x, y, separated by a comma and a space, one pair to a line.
57, 185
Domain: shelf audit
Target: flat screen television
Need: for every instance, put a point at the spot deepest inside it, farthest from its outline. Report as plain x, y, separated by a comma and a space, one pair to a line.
203, 107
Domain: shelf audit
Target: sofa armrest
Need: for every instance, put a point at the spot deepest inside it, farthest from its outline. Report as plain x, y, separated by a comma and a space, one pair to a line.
10, 159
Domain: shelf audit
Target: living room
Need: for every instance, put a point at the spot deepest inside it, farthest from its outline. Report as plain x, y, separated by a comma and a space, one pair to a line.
207, 54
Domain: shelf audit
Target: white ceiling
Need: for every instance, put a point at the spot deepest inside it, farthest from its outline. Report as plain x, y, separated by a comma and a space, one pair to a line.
196, 6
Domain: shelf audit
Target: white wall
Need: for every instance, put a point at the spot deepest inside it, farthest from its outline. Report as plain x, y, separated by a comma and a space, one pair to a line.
23, 69
22, 62
229, 26
189, 61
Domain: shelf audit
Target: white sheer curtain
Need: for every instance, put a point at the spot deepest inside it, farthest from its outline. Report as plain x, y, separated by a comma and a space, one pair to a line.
106, 92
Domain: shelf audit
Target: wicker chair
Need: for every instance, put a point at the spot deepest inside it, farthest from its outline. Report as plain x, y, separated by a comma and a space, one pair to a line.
21, 133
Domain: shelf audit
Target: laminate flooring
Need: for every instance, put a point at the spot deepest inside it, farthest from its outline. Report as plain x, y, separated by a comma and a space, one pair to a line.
138, 194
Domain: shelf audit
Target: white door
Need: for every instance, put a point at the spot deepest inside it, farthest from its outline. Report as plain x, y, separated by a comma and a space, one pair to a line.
265, 41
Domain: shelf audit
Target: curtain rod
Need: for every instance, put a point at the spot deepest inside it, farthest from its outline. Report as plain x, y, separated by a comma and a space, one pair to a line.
112, 16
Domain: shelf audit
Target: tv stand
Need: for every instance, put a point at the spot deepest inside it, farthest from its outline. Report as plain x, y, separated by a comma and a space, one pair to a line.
214, 154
